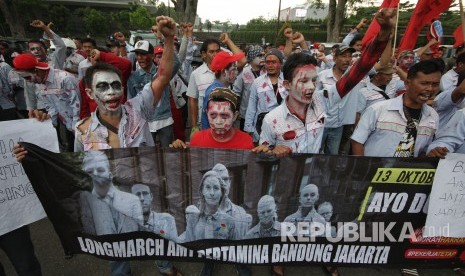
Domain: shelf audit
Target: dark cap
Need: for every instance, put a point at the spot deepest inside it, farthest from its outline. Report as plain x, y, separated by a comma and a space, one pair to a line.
223, 94
277, 53
343, 48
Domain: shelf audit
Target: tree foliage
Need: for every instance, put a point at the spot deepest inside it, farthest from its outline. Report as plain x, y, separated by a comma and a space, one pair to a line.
140, 18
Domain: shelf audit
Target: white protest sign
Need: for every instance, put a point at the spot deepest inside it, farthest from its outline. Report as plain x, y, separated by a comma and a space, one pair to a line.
446, 211
19, 204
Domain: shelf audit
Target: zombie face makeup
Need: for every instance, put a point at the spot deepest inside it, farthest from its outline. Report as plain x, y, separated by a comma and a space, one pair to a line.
303, 85
259, 60
406, 61
220, 117
272, 64
37, 50
107, 91
231, 73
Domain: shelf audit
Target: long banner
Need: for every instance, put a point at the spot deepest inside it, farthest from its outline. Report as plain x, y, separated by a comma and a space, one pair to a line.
238, 207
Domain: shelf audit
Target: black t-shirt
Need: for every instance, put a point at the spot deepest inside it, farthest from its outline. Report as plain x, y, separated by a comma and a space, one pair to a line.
406, 147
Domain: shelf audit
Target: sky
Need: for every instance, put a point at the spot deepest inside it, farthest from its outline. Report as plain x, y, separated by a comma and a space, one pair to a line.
241, 11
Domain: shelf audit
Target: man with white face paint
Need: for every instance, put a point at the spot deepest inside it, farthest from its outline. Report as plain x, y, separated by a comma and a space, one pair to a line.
225, 69
297, 124
253, 69
221, 116
309, 195
162, 224
117, 125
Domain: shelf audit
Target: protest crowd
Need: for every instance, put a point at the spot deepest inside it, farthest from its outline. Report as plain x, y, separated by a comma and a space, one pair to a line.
365, 98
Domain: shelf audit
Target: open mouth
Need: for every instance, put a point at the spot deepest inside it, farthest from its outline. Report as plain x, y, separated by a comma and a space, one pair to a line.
424, 96
113, 103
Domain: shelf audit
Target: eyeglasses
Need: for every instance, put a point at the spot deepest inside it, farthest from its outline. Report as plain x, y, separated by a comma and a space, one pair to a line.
104, 86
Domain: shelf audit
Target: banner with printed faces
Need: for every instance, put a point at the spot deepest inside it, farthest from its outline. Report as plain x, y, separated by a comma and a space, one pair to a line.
239, 207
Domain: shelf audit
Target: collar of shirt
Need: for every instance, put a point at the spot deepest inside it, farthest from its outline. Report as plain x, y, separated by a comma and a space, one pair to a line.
96, 122
152, 72
371, 86
51, 76
398, 105
204, 69
288, 112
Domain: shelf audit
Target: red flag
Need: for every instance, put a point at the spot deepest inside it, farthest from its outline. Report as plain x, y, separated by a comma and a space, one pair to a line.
374, 28
424, 13
458, 35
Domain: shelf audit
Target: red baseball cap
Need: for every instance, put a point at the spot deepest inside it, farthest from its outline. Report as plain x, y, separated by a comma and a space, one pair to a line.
158, 49
223, 59
28, 62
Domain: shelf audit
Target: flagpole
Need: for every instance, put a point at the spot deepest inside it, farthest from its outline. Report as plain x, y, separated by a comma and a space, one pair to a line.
395, 30
462, 17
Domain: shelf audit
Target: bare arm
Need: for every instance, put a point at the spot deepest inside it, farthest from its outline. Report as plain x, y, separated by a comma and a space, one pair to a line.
357, 148
167, 27
424, 48
224, 38
459, 93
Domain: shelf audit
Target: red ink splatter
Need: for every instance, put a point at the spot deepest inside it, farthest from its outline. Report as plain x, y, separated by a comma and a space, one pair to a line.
275, 122
289, 135
264, 85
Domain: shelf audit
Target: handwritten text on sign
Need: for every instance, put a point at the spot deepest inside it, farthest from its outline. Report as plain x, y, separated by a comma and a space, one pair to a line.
446, 212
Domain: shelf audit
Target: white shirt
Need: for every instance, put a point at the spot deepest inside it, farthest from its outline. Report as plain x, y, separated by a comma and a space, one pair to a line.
200, 80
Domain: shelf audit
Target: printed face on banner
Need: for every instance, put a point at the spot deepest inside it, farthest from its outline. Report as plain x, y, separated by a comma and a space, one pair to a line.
224, 174
107, 91
220, 117
303, 84
98, 169
144, 195
266, 212
211, 191
326, 211
309, 195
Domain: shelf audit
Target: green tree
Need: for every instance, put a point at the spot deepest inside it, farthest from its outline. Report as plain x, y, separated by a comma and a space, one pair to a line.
94, 22
140, 18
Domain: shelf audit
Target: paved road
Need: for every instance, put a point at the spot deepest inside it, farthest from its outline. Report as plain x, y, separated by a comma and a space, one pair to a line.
53, 263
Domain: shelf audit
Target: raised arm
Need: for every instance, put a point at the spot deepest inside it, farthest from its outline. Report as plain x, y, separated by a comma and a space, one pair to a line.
167, 27
224, 38
386, 19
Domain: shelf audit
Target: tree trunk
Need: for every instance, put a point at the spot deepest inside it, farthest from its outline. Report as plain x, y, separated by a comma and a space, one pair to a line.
339, 20
186, 10
10, 14
331, 20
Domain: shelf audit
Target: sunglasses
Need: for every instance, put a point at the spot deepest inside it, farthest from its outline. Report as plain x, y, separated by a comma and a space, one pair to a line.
104, 86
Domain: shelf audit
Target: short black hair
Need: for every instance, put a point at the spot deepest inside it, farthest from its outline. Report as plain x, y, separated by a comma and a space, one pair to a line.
461, 58
5, 44
36, 41
207, 42
294, 61
357, 37
425, 67
100, 66
89, 40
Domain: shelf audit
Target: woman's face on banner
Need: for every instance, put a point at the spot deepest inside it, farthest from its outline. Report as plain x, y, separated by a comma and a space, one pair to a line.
211, 191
